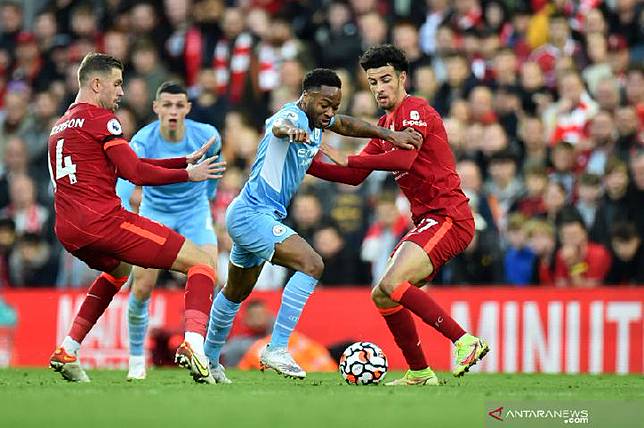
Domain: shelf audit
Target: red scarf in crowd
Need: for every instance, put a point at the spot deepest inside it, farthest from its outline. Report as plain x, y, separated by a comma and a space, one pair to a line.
232, 67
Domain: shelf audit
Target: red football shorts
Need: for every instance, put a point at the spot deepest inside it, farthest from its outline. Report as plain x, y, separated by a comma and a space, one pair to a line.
441, 237
123, 236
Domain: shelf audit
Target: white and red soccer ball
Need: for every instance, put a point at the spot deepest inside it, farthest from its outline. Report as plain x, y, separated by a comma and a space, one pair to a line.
363, 363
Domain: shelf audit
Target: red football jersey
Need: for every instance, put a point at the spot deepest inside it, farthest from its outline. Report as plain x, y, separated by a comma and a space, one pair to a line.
431, 184
84, 178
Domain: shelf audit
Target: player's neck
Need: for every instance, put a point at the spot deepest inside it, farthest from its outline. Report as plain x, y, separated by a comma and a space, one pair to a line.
174, 135
84, 98
401, 98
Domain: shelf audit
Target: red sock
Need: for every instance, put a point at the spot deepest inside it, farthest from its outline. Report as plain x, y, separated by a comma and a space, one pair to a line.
420, 303
402, 326
98, 297
198, 298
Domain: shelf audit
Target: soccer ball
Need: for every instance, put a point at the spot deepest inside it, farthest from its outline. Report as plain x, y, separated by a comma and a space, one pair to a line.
363, 363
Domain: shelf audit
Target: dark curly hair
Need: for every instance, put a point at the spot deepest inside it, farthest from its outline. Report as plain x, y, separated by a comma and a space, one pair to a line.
381, 56
321, 77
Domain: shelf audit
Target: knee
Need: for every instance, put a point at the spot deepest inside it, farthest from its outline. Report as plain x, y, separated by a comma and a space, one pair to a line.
209, 260
236, 295
142, 290
387, 285
314, 266
379, 297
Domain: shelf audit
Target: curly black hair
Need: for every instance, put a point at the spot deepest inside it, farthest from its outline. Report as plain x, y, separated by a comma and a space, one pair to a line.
381, 56
321, 77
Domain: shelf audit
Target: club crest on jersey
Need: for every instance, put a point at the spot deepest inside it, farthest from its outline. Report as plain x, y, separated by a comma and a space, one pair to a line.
414, 119
279, 230
114, 127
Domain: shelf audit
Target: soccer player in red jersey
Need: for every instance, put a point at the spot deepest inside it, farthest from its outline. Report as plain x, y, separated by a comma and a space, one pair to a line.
443, 221
87, 152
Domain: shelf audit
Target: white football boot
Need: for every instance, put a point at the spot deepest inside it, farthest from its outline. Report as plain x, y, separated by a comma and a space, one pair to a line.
219, 373
281, 361
136, 368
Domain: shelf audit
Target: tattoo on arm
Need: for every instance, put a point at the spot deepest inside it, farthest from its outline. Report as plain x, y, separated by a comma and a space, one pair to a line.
353, 127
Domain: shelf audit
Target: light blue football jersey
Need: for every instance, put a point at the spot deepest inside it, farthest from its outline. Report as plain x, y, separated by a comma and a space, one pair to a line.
179, 197
280, 165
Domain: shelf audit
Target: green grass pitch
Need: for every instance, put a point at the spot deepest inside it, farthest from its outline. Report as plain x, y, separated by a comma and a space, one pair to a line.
169, 398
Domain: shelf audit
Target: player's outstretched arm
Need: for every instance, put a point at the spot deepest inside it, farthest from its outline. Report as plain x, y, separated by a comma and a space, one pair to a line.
350, 126
284, 128
393, 160
133, 169
337, 173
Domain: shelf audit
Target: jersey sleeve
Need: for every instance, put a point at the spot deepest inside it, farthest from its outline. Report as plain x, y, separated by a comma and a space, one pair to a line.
344, 174
289, 114
106, 128
124, 188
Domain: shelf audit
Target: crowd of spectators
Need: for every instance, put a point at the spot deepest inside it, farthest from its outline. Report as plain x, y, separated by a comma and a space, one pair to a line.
543, 103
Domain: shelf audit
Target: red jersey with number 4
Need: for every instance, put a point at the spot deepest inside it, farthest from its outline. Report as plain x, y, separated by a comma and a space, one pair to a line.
84, 178
431, 183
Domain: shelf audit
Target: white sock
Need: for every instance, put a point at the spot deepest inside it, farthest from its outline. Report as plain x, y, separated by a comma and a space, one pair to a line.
195, 340
138, 360
70, 345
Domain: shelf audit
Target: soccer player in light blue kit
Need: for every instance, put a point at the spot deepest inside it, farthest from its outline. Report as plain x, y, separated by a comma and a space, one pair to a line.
183, 207
254, 219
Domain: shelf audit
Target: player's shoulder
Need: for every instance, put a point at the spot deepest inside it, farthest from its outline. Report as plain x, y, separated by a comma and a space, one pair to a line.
414, 107
203, 129
147, 132
418, 103
291, 112
100, 121
92, 112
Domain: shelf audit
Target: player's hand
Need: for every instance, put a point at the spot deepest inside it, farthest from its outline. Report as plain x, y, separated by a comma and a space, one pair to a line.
206, 170
408, 139
334, 154
294, 134
194, 157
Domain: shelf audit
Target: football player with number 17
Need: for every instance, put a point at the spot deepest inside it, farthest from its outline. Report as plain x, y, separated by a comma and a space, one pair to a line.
444, 225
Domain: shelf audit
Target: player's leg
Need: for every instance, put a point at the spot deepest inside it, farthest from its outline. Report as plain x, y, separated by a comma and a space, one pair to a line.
415, 260
199, 266
296, 254
143, 282
99, 296
401, 324
225, 306
149, 244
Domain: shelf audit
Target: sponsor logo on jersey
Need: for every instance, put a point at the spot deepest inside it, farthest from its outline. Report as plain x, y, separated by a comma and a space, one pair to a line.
420, 123
71, 123
414, 119
114, 127
279, 230
306, 156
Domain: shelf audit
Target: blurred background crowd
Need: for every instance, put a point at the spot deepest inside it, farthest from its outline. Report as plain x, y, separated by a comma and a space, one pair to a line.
543, 102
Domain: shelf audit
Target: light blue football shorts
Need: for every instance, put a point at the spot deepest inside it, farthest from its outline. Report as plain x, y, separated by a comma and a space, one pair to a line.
254, 234
195, 225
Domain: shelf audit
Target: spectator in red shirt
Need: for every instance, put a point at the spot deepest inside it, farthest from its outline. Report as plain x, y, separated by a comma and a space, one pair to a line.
579, 262
541, 239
